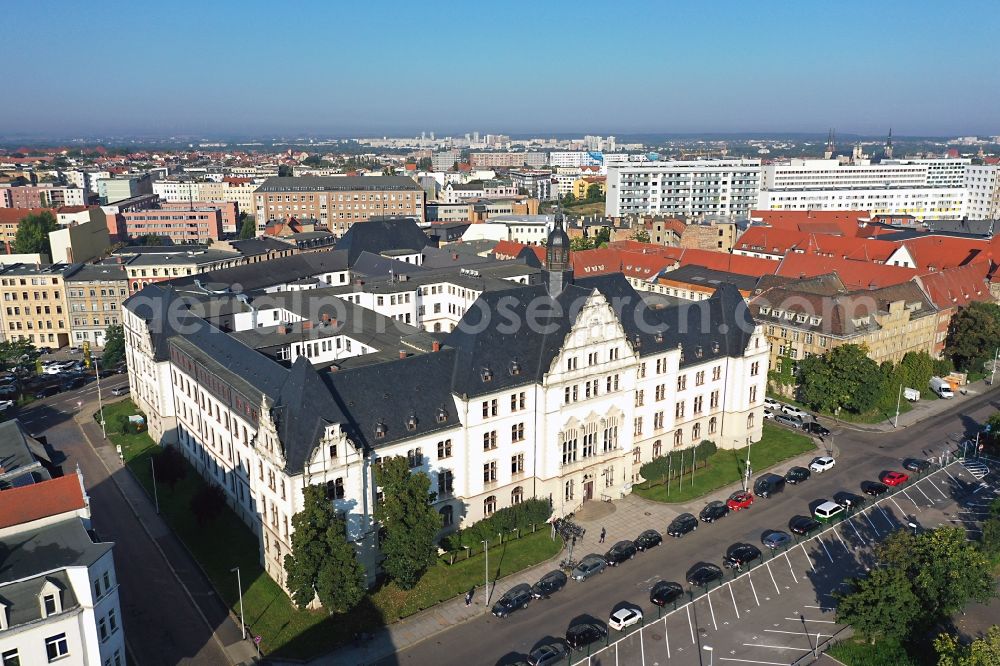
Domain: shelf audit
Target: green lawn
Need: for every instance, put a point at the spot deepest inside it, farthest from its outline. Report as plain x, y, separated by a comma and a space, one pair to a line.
854, 652
286, 631
725, 467
872, 416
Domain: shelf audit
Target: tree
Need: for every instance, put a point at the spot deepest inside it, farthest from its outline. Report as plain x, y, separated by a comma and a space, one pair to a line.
640, 236
170, 466
248, 226
581, 243
973, 335
880, 606
918, 368
984, 651
844, 377
207, 503
322, 562
314, 161
284, 171
33, 233
594, 193
114, 346
568, 200
149, 240
945, 569
411, 524
602, 237
12, 351
425, 164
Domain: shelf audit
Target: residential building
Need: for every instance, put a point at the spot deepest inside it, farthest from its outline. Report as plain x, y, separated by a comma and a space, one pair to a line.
117, 188
236, 190
508, 160
41, 196
80, 242
338, 201
148, 265
982, 186
727, 187
34, 304
181, 226
710, 234
445, 160
94, 295
536, 184
554, 410
694, 283
581, 186
573, 159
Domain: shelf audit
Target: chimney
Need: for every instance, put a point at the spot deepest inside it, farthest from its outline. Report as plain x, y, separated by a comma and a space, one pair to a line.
402, 353
307, 325
435, 346
282, 330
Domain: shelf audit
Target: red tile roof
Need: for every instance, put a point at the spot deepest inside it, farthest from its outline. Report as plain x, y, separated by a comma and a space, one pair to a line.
41, 500
855, 274
837, 222
600, 261
11, 215
958, 286
506, 249
730, 263
644, 266
939, 252
768, 240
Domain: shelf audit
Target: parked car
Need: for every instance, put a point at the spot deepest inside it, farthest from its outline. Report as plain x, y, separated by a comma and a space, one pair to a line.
582, 635
702, 574
918, 465
874, 488
828, 511
665, 592
775, 539
789, 421
590, 565
8, 391
623, 618
768, 413
648, 539
682, 524
740, 554
74, 383
44, 350
941, 387
516, 597
800, 414
894, 478
121, 390
772, 404
821, 464
46, 391
5, 405
713, 511
546, 655
796, 475
802, 525
849, 501
75, 350
548, 584
741, 499
620, 552
814, 428
769, 484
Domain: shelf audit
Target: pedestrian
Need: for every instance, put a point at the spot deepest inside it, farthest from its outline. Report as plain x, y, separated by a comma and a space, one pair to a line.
468, 596
603, 534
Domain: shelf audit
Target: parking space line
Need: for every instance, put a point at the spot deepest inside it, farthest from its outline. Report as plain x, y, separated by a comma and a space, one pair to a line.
776, 588
949, 474
666, 637
805, 619
751, 661
917, 486
752, 587
795, 633
837, 534
712, 610
791, 569
826, 549
822, 608
642, 648
868, 518
915, 505
893, 500
687, 607
807, 557
777, 647
884, 514
934, 486
733, 597
860, 538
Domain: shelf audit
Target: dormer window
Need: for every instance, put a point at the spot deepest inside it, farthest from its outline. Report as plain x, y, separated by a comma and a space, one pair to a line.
715, 347
515, 368
698, 352
411, 422
50, 599
442, 415
380, 430
637, 342
487, 375
659, 336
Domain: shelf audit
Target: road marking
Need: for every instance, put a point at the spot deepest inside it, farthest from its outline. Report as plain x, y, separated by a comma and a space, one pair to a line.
795, 633
642, 647
733, 597
712, 610
915, 505
750, 578
837, 534
805, 619
822, 608
934, 486
893, 500
949, 474
777, 647
860, 538
868, 518
885, 515
808, 558
776, 588
687, 607
751, 661
666, 637
791, 569
917, 486
825, 549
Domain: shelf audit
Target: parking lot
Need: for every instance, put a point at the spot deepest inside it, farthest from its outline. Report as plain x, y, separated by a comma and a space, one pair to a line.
783, 609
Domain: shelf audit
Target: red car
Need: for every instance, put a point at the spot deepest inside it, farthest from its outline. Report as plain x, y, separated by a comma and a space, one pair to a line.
739, 500
894, 478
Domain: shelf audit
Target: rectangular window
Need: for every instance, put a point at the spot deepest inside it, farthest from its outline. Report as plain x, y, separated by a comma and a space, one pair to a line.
517, 432
489, 440
50, 604
754, 368
682, 382
716, 373
714, 399
697, 404
10, 658
637, 430
490, 472
517, 463
444, 449
679, 410
569, 451
56, 647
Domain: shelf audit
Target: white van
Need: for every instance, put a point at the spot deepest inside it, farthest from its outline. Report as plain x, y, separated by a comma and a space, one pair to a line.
828, 511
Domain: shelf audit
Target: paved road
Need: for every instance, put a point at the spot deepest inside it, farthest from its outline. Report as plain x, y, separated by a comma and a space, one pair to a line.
862, 455
161, 624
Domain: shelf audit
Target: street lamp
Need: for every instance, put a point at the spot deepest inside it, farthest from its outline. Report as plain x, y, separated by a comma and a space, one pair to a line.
239, 586
486, 549
100, 400
711, 654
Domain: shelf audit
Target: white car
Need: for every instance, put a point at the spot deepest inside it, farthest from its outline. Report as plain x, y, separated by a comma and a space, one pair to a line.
624, 618
795, 411
822, 463
772, 404
5, 405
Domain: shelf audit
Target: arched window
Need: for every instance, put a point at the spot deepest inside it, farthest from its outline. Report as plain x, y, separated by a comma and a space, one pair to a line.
712, 425
447, 516
517, 495
490, 505
750, 421
678, 437
696, 432
437, 328
657, 449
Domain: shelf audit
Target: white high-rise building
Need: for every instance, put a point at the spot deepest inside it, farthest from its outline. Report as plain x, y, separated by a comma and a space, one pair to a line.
982, 186
692, 188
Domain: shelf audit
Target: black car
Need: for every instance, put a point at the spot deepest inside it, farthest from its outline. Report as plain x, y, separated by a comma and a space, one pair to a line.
648, 539
664, 592
740, 554
814, 428
620, 552
874, 488
916, 465
769, 484
518, 596
554, 653
8, 391
46, 391
548, 584
74, 383
713, 511
702, 574
581, 635
797, 475
849, 501
682, 524
802, 525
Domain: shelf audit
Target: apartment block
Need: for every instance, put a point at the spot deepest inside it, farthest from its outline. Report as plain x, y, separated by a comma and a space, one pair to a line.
982, 186
34, 304
41, 196
690, 188
180, 226
338, 201
508, 160
94, 294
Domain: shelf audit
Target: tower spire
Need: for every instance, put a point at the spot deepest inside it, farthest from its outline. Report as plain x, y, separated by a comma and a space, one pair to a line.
830, 146
888, 146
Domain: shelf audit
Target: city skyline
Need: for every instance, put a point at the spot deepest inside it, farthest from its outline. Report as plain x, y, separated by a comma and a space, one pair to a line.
517, 68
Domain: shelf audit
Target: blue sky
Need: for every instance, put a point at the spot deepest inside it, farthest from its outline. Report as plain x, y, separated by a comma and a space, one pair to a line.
544, 66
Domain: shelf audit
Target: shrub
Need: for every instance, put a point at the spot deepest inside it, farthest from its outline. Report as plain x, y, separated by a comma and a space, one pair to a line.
170, 466
207, 503
520, 516
656, 470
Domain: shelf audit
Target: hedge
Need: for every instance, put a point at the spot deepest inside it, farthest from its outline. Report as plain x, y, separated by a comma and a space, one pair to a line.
657, 469
520, 516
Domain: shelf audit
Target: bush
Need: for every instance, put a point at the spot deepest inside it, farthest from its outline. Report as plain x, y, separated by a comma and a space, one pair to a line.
208, 503
656, 470
170, 466
520, 516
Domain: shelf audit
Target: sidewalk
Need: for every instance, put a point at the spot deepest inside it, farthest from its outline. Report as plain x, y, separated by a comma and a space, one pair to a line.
185, 569
924, 409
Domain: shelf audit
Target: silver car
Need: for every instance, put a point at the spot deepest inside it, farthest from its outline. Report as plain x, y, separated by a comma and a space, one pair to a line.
590, 565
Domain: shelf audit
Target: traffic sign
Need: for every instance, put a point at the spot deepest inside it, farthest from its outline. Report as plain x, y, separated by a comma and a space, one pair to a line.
256, 639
